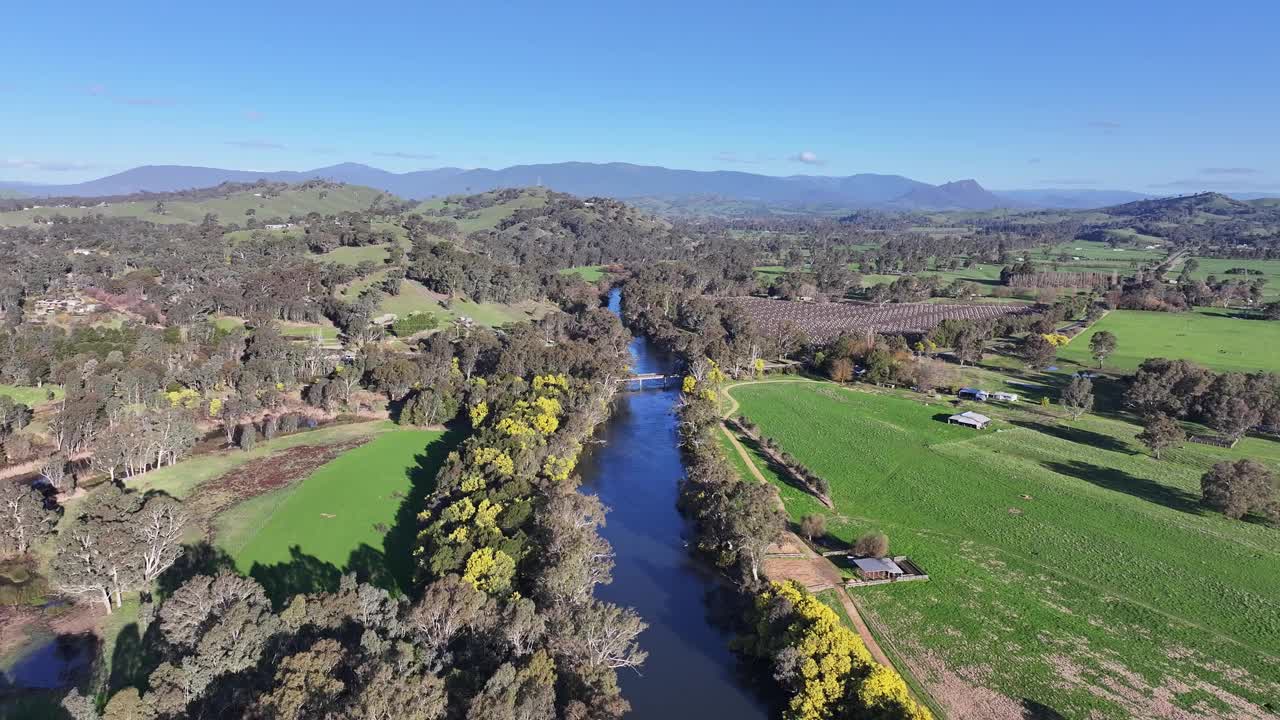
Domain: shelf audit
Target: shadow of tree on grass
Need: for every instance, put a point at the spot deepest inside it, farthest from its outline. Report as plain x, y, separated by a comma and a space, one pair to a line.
397, 544
1121, 481
1077, 435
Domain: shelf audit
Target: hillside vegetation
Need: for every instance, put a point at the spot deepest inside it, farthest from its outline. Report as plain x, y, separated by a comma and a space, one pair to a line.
236, 207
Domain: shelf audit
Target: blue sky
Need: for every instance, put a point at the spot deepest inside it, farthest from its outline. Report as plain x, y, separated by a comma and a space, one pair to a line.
1163, 98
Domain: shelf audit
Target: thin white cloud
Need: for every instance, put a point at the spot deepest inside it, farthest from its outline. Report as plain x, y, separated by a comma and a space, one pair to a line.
146, 101
255, 145
1233, 171
402, 155
45, 165
808, 157
1069, 181
1225, 185
734, 158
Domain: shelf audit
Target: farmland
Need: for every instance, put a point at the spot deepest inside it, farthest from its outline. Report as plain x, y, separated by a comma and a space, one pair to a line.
1218, 267
822, 322
1212, 337
340, 516
230, 208
1040, 591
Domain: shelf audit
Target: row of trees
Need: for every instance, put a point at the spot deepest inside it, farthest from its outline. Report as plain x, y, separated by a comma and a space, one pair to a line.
1231, 403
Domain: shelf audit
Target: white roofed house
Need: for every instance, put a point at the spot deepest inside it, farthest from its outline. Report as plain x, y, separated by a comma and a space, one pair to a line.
970, 418
877, 568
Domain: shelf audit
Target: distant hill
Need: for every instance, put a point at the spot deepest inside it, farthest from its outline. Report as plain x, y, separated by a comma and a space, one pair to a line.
1069, 199
740, 191
1187, 207
958, 195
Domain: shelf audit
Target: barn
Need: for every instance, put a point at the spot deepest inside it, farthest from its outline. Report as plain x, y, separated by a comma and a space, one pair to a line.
970, 418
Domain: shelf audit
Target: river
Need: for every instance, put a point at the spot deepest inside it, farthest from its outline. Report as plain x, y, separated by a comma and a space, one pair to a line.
690, 672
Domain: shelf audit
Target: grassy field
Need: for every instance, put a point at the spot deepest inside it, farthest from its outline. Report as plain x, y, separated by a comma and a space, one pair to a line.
414, 297
353, 256
229, 209
1209, 336
31, 396
1218, 266
485, 218
590, 273
342, 516
1068, 569
182, 479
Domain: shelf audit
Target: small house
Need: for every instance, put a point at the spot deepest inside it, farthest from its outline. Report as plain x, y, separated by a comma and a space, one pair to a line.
972, 419
877, 568
972, 394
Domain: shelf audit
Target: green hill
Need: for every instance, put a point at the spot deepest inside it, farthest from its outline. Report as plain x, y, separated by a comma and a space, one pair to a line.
235, 207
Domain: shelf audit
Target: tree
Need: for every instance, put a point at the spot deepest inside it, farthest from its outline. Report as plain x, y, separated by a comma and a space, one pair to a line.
248, 437
1239, 488
119, 542
1231, 415
1160, 433
306, 682
1101, 345
841, 370
873, 544
523, 693
970, 345
1077, 398
754, 522
1037, 351
54, 470
24, 520
599, 635
813, 525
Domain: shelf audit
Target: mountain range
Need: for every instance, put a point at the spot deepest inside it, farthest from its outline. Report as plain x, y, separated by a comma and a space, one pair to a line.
619, 180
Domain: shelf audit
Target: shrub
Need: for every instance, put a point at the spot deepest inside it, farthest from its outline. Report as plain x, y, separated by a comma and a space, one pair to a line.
812, 526
872, 544
270, 427
288, 423
248, 437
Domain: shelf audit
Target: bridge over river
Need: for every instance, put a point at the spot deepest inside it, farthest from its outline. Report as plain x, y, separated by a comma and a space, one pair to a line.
650, 381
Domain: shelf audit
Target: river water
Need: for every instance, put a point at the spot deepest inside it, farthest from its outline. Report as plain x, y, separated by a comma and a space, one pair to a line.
690, 672
635, 469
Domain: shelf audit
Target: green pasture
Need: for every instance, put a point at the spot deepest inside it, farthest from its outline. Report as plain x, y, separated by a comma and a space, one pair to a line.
414, 297
1067, 567
590, 273
354, 255
1214, 337
1219, 266
229, 209
356, 513
183, 479
484, 218
31, 396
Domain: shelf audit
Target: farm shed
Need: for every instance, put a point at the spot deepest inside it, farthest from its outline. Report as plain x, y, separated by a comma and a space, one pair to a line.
972, 394
970, 418
877, 568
